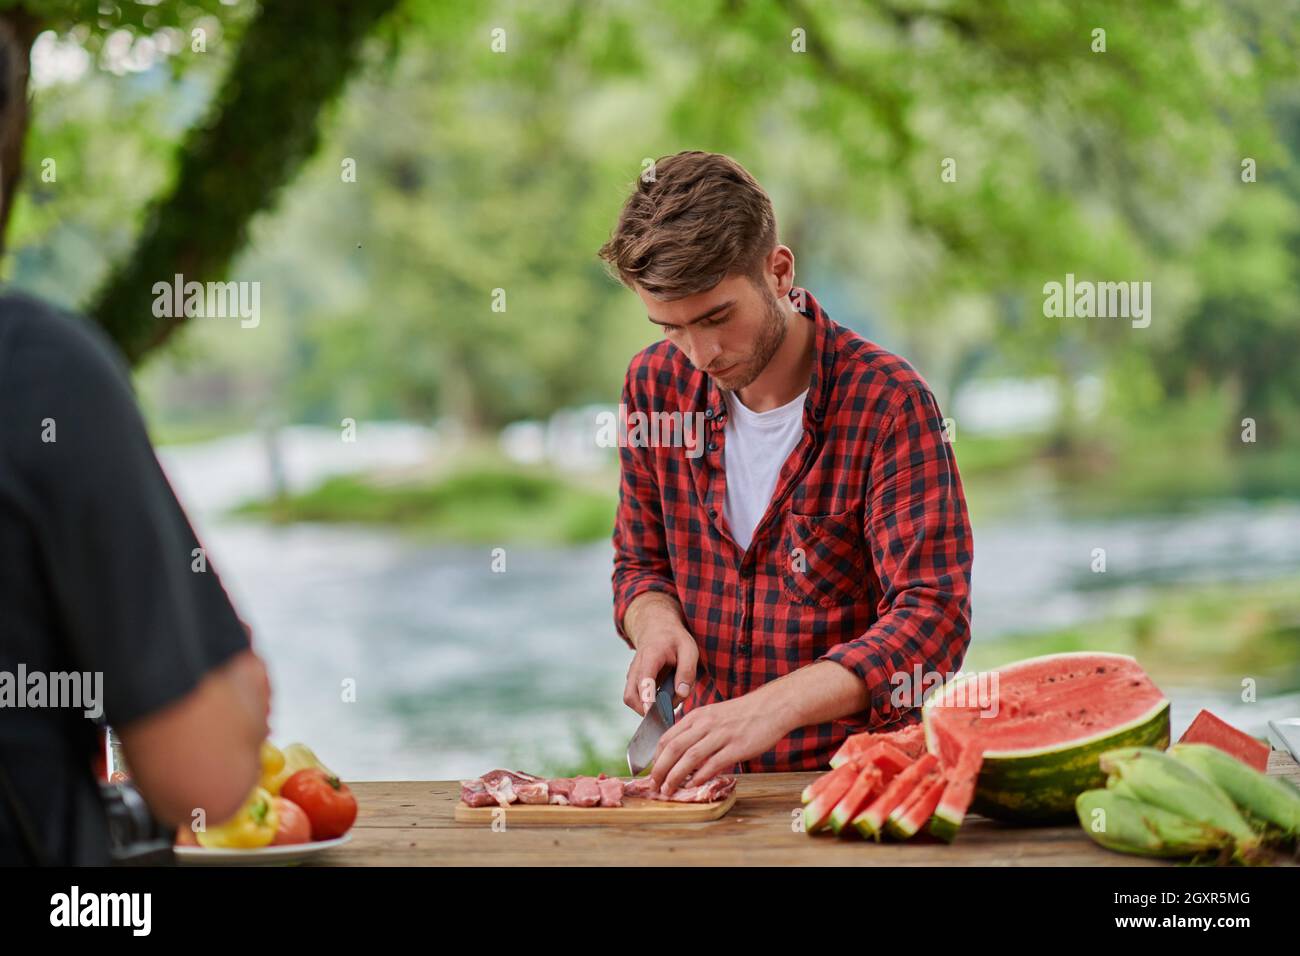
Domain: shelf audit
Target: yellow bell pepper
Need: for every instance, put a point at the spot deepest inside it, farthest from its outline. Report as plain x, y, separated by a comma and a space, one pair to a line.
272, 762
296, 757
253, 826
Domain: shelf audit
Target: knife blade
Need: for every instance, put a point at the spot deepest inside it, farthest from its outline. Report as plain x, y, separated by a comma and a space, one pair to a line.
641, 749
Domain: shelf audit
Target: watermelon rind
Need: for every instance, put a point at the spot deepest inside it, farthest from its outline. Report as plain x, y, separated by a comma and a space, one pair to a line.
1040, 784
944, 826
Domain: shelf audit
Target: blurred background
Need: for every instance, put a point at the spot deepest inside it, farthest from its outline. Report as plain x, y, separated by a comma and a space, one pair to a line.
395, 470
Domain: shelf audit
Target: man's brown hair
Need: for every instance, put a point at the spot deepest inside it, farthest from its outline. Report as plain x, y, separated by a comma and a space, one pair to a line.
700, 218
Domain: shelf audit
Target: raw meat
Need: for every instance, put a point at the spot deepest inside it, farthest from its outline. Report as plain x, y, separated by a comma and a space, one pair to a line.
495, 786
561, 790
504, 787
534, 792
475, 794
586, 792
611, 792
719, 788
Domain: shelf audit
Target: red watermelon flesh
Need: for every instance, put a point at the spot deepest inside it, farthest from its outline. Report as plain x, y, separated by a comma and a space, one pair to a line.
910, 741
870, 820
1046, 701
836, 777
1209, 729
908, 817
890, 760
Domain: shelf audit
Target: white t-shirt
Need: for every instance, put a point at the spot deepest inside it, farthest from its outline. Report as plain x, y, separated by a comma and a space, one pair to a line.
757, 445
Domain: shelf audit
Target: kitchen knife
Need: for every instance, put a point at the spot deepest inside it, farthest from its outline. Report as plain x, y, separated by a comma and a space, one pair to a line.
641, 750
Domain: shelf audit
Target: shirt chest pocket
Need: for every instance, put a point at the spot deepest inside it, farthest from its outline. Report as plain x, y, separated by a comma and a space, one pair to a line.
823, 559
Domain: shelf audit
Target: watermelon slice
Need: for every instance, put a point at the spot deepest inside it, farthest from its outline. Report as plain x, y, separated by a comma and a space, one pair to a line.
870, 821
909, 740
811, 791
891, 760
958, 792
1042, 731
868, 785
825, 792
1209, 729
910, 815
888, 758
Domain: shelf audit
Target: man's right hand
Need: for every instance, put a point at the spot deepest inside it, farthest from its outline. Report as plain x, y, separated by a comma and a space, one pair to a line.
653, 622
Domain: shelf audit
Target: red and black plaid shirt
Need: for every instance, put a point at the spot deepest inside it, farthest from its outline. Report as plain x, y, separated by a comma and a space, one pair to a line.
870, 495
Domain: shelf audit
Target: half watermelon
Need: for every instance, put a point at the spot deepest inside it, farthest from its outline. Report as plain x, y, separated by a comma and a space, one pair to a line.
1040, 732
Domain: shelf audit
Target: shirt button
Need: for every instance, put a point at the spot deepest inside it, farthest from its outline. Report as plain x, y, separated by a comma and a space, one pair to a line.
743, 647
713, 512
713, 446
708, 413
746, 570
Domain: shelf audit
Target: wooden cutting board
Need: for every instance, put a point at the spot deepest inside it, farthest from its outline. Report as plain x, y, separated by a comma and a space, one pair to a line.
633, 810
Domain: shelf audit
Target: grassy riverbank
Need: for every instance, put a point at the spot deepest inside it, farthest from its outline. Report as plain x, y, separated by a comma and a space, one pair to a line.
482, 503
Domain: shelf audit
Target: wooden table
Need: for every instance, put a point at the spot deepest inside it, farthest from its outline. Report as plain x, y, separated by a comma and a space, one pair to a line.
410, 823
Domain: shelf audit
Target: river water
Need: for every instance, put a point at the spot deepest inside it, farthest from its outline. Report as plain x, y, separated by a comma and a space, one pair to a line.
397, 659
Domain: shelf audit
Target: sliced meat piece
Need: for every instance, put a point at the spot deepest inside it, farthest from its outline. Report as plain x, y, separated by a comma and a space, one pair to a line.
710, 791
644, 787
475, 794
533, 792
586, 792
719, 788
560, 787
611, 792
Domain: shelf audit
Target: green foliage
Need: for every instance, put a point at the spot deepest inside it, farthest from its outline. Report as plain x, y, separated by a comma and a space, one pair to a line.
263, 125
475, 173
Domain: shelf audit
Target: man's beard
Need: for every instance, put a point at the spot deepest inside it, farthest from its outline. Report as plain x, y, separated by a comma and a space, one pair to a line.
770, 337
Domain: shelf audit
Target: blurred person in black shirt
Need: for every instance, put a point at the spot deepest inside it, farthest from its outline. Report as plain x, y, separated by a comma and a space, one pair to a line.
97, 577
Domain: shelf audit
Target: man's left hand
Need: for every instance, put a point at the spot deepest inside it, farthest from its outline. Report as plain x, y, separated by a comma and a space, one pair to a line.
710, 740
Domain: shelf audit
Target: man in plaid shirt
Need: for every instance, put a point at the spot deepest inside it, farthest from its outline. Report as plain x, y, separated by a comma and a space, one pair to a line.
798, 550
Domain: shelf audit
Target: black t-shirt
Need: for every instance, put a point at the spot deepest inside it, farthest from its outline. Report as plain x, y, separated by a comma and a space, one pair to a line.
96, 573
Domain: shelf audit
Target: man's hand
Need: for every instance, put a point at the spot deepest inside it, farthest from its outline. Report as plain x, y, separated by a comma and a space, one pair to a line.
653, 622
710, 740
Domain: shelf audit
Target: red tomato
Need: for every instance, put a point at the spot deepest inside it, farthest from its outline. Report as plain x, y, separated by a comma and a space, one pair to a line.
294, 827
327, 801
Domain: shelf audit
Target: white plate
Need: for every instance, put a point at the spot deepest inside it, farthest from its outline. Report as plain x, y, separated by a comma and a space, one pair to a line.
262, 856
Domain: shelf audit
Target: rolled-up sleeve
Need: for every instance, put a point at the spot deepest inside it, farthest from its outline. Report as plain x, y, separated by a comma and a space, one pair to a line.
640, 545
919, 536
